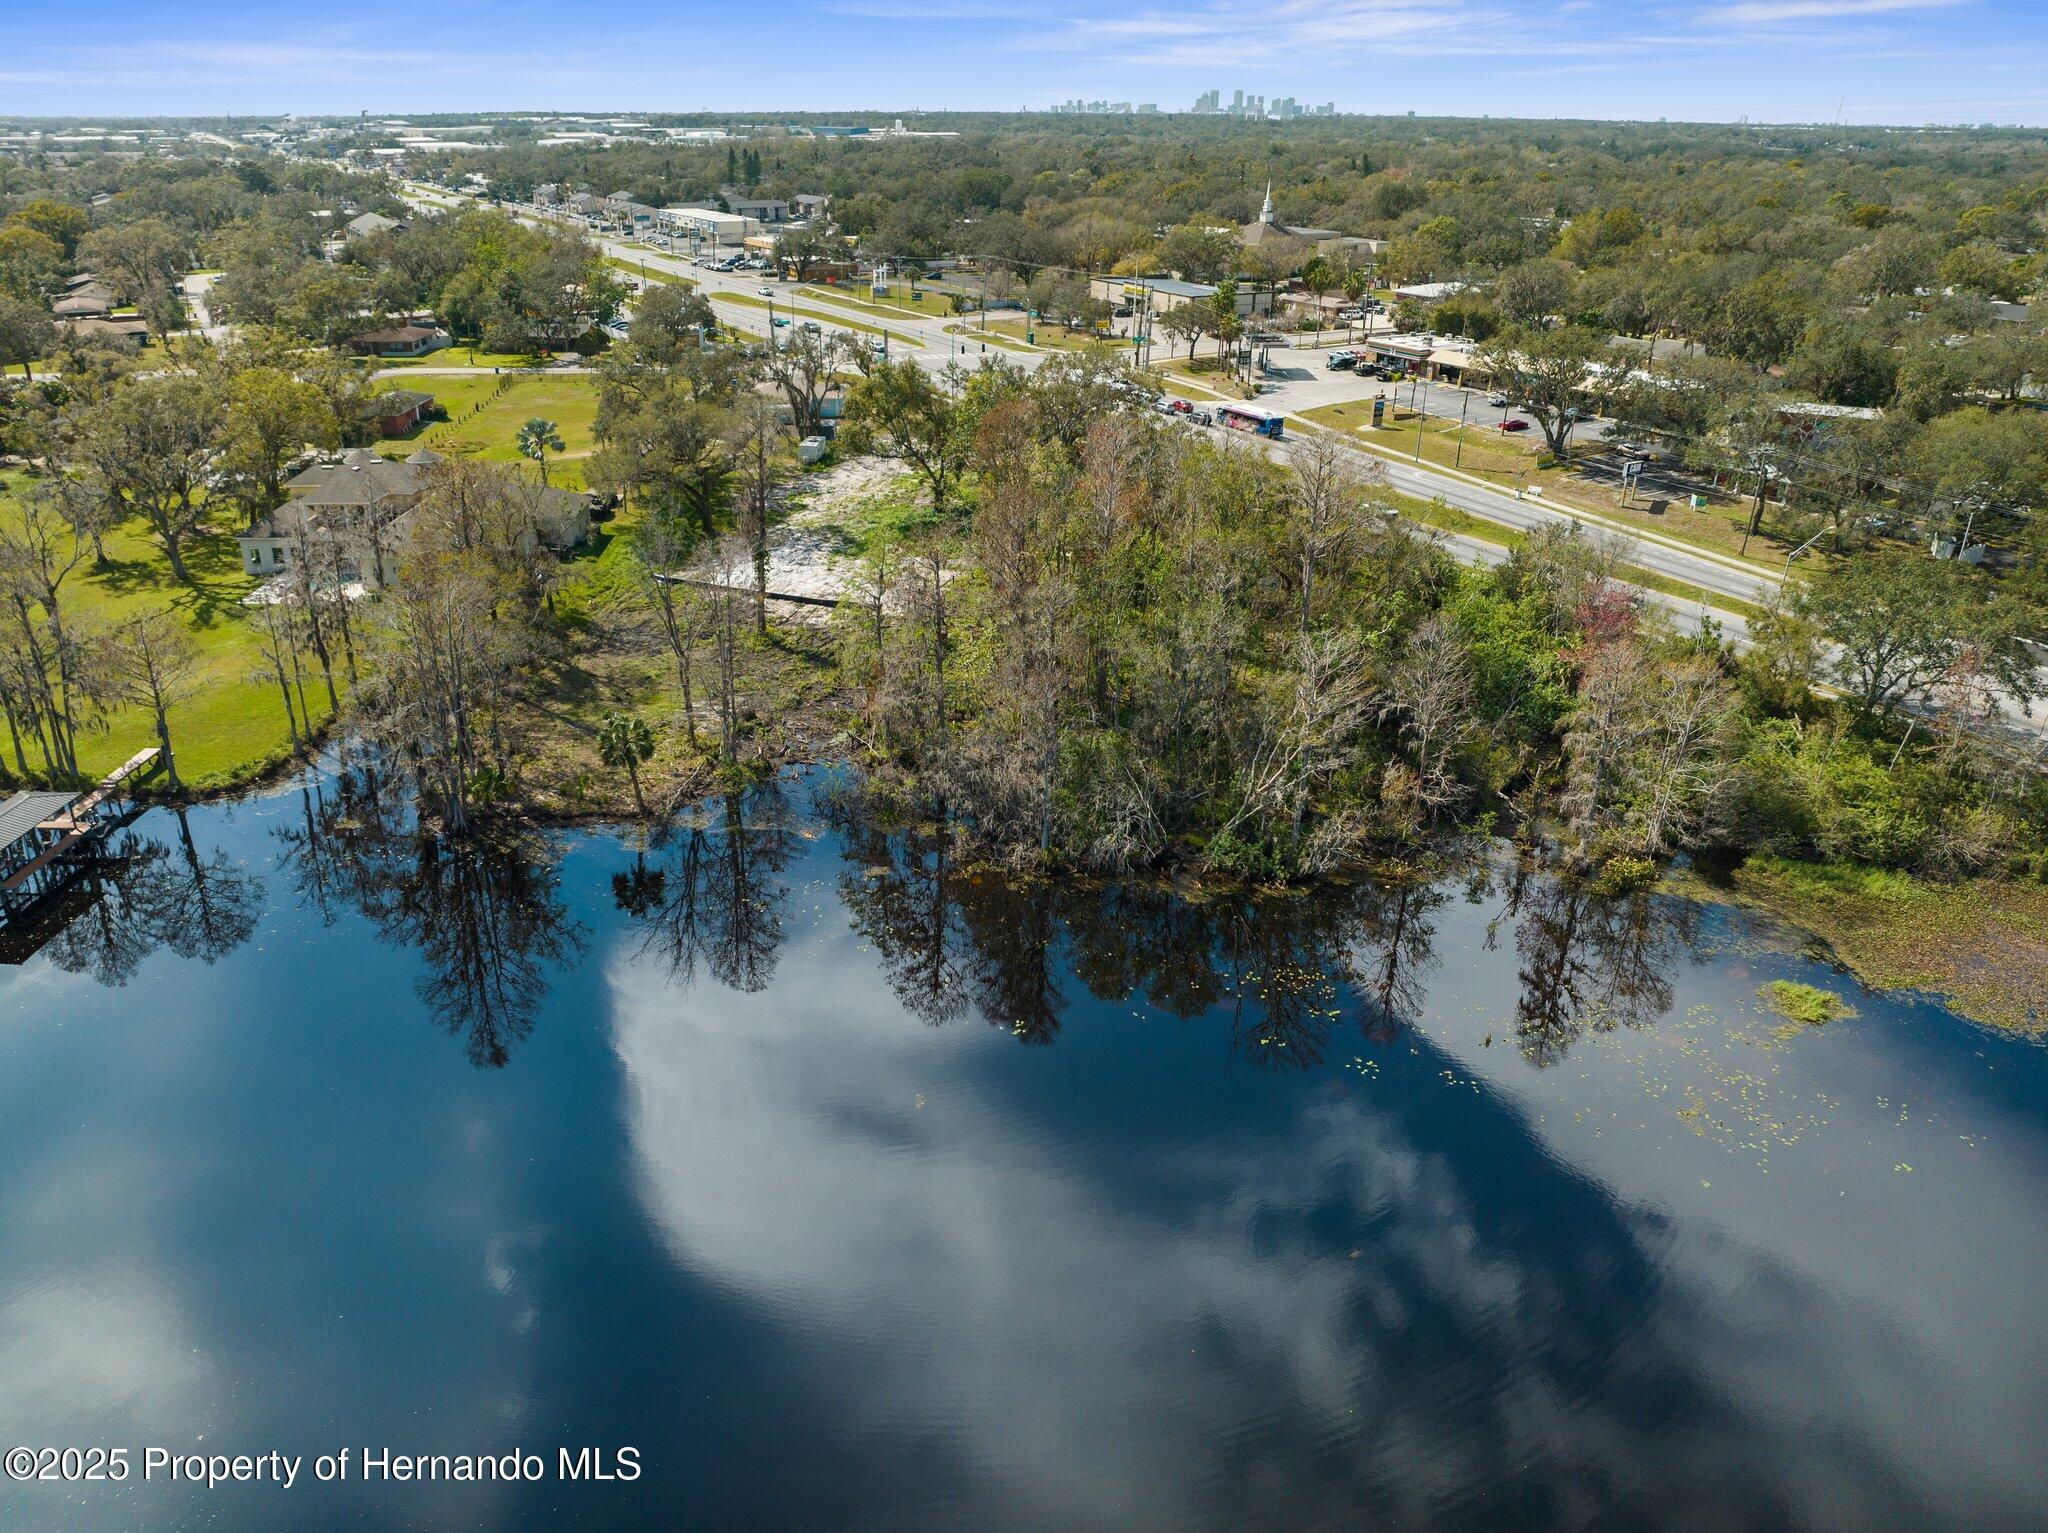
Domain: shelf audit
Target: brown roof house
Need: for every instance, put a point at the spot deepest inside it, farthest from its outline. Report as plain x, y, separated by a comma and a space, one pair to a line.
126, 328
399, 341
93, 301
398, 411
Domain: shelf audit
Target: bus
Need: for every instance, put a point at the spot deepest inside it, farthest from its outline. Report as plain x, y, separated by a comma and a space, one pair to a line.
1245, 418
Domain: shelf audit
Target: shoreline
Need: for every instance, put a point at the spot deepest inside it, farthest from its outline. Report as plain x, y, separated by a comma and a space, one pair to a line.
1984, 956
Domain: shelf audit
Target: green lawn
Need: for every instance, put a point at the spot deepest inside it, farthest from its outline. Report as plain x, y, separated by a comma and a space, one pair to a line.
233, 723
927, 304
785, 309
1046, 333
968, 330
485, 414
1521, 460
462, 356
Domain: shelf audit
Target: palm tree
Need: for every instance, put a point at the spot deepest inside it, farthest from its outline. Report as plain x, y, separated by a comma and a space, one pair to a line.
536, 439
626, 741
1317, 278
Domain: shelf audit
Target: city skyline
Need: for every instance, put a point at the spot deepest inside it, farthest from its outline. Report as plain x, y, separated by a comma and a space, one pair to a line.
1880, 61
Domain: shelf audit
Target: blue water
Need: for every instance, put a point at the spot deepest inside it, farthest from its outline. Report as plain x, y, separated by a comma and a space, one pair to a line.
855, 1193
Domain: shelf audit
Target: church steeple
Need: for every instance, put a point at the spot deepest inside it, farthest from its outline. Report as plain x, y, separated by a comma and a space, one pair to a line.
1266, 212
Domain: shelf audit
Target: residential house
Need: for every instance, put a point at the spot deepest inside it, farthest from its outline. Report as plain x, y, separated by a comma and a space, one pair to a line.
347, 513
133, 331
407, 340
86, 303
400, 410
809, 204
365, 224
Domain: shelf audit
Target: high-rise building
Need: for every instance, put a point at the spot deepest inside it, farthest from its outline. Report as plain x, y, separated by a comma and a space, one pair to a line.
1237, 101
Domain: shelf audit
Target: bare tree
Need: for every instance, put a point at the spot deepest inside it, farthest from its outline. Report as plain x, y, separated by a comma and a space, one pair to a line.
1431, 691
155, 661
659, 548
758, 439
1334, 488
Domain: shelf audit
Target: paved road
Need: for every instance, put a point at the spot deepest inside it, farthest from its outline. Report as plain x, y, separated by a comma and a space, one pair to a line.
1300, 382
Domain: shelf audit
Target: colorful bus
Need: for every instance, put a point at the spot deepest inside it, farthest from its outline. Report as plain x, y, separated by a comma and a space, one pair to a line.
1245, 418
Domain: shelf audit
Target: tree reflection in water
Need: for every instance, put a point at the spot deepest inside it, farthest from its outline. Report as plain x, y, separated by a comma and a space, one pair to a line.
900, 888
1589, 961
1280, 963
715, 895
485, 913
149, 894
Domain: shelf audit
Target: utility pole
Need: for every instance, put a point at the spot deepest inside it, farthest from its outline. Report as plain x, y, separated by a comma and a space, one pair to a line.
1464, 404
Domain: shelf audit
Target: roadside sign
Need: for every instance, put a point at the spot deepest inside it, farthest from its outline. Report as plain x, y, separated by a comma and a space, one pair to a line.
1379, 410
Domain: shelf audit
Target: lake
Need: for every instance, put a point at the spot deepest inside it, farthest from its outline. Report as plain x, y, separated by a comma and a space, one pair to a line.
850, 1191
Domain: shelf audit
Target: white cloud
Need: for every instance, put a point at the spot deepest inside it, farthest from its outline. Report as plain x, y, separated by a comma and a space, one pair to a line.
1765, 12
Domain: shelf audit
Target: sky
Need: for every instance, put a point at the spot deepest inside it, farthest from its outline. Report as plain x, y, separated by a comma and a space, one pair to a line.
1889, 61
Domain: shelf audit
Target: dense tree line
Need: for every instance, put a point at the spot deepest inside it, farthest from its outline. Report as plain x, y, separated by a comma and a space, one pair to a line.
1146, 645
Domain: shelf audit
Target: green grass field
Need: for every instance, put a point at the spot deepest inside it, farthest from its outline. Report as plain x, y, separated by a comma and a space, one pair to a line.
1045, 333
927, 304
485, 413
1520, 459
232, 724
462, 356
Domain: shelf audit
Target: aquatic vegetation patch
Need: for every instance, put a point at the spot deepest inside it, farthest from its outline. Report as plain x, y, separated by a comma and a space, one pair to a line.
1803, 1005
1982, 945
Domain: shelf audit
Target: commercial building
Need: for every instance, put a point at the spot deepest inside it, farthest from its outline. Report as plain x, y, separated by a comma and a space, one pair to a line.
1165, 294
710, 226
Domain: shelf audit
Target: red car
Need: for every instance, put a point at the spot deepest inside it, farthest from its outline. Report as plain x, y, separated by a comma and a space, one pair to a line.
1182, 406
1514, 423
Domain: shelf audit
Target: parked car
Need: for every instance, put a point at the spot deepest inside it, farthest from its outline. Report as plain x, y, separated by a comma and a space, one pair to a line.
1498, 401
1340, 361
1181, 406
1203, 417
1514, 423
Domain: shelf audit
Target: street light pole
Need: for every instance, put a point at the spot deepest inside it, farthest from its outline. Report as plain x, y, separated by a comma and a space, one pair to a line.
1464, 404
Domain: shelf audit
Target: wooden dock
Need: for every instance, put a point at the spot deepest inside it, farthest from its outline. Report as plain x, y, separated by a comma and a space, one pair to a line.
48, 838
